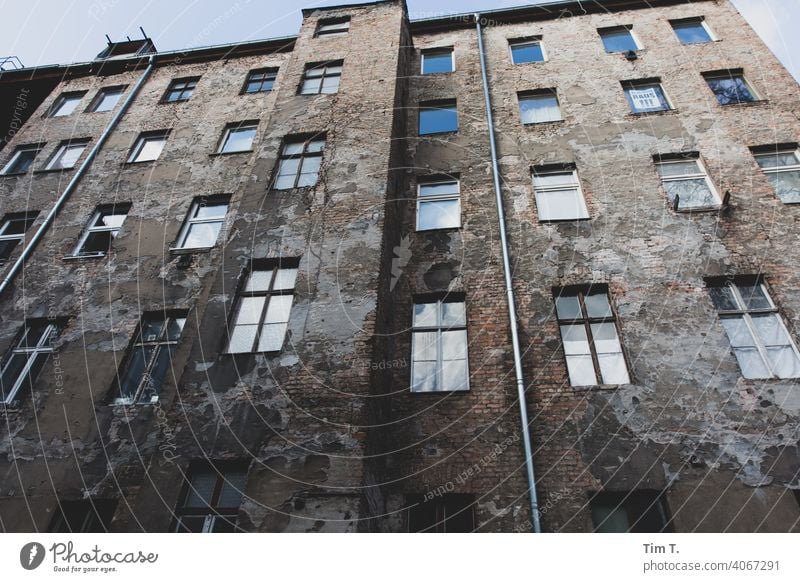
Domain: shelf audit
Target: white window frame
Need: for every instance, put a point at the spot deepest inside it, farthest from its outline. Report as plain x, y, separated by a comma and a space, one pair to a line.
439, 328
226, 135
635, 85
576, 184
61, 150
780, 169
140, 143
27, 217
43, 347
629, 28
191, 219
523, 42
114, 230
16, 155
703, 23
62, 100
421, 200
438, 50
683, 177
537, 95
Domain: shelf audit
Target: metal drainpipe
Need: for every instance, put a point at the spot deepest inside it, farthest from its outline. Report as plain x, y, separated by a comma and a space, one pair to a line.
62, 199
512, 309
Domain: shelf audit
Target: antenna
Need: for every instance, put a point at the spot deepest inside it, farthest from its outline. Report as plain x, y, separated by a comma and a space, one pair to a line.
144, 34
108, 39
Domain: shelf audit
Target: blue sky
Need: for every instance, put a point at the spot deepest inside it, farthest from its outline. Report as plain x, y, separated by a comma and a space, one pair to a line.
44, 32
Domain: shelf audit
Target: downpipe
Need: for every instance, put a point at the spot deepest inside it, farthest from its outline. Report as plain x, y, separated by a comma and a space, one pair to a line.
512, 309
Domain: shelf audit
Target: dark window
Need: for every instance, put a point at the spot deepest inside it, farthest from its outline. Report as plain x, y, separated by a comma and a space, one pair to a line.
260, 81
12, 232
299, 163
692, 30
103, 228
22, 159
730, 87
84, 516
618, 39
439, 117
526, 51
646, 96
106, 99
438, 60
322, 78
333, 26
263, 309
26, 359
181, 89
640, 511
589, 335
211, 499
450, 513
149, 358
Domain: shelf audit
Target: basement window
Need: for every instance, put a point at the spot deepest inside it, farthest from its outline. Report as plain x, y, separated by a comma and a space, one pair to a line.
103, 227
238, 137
539, 106
439, 346
211, 498
260, 81
299, 162
438, 60
106, 99
322, 78
149, 358
25, 361
526, 51
438, 117
333, 26
781, 165
758, 336
589, 336
12, 232
180, 90
687, 183
438, 205
83, 516
640, 511
692, 30
22, 159
450, 513
66, 104
646, 96
619, 39
203, 223
148, 147
558, 194
263, 309
67, 155
730, 87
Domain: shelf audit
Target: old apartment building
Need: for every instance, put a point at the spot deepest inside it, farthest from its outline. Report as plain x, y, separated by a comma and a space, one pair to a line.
268, 286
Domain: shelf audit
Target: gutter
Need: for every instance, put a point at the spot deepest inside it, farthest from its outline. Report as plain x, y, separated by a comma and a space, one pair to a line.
512, 309
27, 251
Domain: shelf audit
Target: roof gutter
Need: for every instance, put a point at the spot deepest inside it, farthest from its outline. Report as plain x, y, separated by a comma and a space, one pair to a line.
512, 309
27, 251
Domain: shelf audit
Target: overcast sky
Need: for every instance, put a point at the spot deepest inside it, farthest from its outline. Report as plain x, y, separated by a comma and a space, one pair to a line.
42, 32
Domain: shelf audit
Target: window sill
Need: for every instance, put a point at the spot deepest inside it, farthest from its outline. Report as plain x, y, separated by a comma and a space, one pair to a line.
439, 392
700, 210
442, 229
255, 92
565, 220
637, 114
756, 103
13, 174
142, 163
270, 353
126, 404
599, 387
84, 257
216, 154
436, 73
53, 170
439, 133
545, 123
189, 251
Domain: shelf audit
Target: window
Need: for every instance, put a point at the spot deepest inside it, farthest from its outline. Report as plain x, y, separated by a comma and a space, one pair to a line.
22, 159
203, 223
438, 60
730, 87
12, 232
781, 165
260, 81
692, 30
440, 117
103, 228
83, 516
539, 106
687, 183
618, 39
66, 103
26, 359
558, 194
148, 147
526, 51
322, 78
438, 205
589, 335
264, 305
646, 96
333, 26
180, 90
66, 156
439, 347
640, 511
106, 99
211, 498
238, 137
299, 163
758, 336
450, 513
149, 358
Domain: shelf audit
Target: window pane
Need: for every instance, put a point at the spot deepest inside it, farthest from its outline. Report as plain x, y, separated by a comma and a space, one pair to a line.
150, 150
439, 214
729, 90
425, 314
201, 235
605, 338
110, 220
787, 185
11, 372
560, 205
211, 210
438, 188
97, 243
437, 62
539, 109
201, 490
751, 364
568, 307
21, 161
777, 159
738, 332
309, 171
454, 375
754, 296
555, 179
723, 298
612, 368
315, 146
67, 104
784, 362
581, 371
692, 193
152, 385
258, 281
279, 308
425, 348
175, 328
574, 339
691, 32
272, 336
330, 85
285, 279
311, 86
454, 345
770, 330
618, 41
134, 373
108, 100
647, 98
151, 329
453, 313
424, 377
287, 174
597, 305
438, 120
240, 139
528, 52
678, 168
232, 490
242, 338
250, 309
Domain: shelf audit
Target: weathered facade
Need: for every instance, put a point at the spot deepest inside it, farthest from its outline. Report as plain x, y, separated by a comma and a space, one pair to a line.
324, 434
